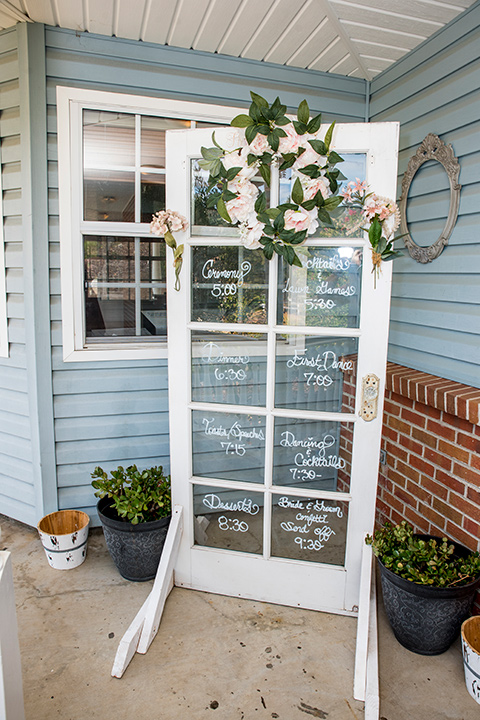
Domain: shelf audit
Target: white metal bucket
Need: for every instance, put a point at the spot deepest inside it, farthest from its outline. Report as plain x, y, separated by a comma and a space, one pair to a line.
64, 536
471, 655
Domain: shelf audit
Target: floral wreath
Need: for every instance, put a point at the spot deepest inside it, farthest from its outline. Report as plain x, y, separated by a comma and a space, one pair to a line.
266, 136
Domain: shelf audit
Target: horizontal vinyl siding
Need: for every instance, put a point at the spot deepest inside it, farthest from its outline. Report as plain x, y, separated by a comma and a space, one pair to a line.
112, 413
17, 497
435, 320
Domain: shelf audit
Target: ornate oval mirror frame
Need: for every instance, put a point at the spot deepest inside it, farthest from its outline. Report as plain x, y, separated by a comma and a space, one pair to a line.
432, 148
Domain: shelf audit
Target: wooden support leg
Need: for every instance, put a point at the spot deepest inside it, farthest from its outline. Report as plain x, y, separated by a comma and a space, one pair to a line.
361, 650
150, 613
159, 592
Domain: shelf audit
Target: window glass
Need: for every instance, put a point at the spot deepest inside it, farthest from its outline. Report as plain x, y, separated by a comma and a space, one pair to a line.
108, 139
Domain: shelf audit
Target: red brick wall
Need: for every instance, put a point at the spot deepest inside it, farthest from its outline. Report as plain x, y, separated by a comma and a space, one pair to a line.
431, 477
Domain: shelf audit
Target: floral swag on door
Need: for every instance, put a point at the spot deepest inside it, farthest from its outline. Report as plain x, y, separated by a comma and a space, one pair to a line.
266, 137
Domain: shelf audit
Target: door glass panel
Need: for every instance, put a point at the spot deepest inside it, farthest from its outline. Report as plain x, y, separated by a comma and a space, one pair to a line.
229, 368
228, 519
153, 138
229, 285
316, 455
228, 446
310, 529
316, 373
325, 292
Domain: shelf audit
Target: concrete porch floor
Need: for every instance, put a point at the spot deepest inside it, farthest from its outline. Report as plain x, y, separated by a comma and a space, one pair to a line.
213, 657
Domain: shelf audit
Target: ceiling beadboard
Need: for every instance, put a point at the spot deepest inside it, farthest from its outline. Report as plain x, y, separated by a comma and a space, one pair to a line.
357, 38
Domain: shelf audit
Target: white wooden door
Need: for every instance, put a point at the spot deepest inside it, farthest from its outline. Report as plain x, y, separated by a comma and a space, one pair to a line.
270, 457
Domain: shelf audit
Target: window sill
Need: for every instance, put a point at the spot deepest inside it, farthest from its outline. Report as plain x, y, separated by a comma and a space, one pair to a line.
117, 352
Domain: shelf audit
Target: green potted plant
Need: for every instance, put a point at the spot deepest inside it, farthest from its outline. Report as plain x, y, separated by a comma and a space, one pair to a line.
428, 586
135, 511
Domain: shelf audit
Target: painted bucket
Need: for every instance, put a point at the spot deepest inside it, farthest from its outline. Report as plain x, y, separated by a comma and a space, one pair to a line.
64, 536
471, 655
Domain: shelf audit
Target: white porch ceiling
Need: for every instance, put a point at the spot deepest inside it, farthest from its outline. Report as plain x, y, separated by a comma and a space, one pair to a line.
356, 38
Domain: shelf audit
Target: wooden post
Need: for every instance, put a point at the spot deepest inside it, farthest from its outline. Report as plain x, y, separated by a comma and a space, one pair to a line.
11, 692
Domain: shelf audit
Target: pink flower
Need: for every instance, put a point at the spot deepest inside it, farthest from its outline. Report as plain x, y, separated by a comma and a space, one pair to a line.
300, 220
240, 208
238, 158
251, 232
259, 145
167, 220
291, 142
311, 187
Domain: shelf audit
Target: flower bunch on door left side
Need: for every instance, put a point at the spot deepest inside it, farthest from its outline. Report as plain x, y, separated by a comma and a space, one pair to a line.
165, 223
266, 137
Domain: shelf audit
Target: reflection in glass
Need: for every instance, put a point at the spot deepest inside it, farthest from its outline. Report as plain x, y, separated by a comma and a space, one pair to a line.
229, 368
109, 195
153, 138
324, 292
314, 455
316, 373
152, 195
116, 305
229, 284
228, 519
108, 139
309, 529
228, 446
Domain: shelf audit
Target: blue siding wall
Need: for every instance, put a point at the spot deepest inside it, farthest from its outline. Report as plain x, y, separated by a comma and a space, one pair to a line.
17, 496
111, 413
435, 319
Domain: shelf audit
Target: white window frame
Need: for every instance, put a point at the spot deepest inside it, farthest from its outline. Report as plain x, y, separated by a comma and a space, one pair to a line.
4, 353
70, 104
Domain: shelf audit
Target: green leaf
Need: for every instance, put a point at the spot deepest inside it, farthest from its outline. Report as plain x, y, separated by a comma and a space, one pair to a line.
296, 261
222, 210
319, 146
314, 124
258, 99
255, 113
251, 158
261, 203
263, 129
282, 120
297, 192
273, 212
211, 153
288, 161
328, 136
265, 173
232, 172
212, 200
268, 249
250, 133
228, 194
279, 222
268, 229
299, 237
333, 202
375, 232
309, 204
334, 157
279, 132
324, 217
273, 141
279, 249
311, 171
241, 121
303, 113
301, 128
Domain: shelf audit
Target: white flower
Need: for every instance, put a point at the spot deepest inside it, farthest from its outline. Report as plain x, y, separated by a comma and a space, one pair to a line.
251, 232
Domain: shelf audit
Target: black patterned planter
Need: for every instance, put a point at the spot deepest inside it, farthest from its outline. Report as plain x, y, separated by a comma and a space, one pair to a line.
135, 549
426, 619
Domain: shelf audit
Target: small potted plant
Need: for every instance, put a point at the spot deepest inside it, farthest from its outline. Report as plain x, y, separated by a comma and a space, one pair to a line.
135, 511
428, 586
